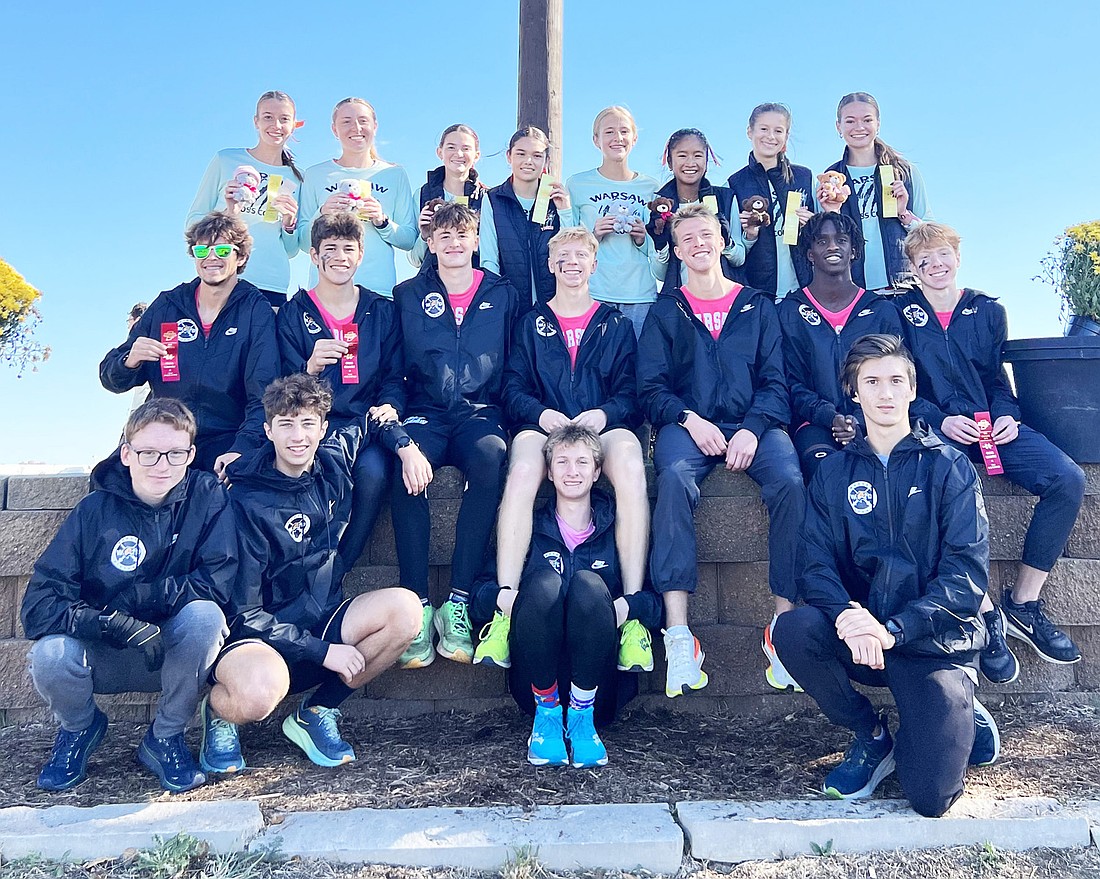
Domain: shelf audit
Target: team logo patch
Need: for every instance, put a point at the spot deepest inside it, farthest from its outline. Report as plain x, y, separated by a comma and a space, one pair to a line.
128, 553
297, 526
809, 315
970, 309
433, 304
555, 561
862, 497
544, 328
187, 330
312, 327
916, 315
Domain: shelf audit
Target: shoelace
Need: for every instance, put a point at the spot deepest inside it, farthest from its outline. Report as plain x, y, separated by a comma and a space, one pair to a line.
1042, 622
64, 749
326, 719
173, 750
459, 623
223, 734
680, 648
997, 642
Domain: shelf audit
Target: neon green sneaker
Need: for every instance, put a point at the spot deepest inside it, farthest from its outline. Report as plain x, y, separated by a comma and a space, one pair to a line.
493, 647
635, 647
453, 624
420, 653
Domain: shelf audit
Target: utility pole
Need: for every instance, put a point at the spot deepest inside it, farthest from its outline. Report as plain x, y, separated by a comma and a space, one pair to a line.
540, 71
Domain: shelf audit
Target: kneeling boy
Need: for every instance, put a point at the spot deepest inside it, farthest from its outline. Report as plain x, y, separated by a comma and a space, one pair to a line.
896, 564
127, 597
293, 629
572, 362
564, 616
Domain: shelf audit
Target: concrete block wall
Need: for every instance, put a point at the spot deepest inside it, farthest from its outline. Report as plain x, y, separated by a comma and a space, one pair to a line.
731, 605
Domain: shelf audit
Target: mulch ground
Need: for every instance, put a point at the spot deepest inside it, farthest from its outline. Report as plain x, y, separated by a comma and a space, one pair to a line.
466, 760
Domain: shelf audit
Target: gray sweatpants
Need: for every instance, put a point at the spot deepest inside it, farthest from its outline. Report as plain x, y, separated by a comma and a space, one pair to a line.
67, 671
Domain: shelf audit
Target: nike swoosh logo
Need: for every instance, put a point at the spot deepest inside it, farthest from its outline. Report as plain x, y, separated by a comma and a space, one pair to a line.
865, 312
485, 305
913, 490
232, 331
748, 307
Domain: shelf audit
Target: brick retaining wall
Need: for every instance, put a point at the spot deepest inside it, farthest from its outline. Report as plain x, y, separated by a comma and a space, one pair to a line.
727, 612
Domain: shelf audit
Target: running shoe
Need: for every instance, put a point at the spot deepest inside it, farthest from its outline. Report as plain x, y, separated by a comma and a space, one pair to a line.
1029, 623
171, 761
220, 748
420, 652
635, 647
987, 738
585, 743
68, 763
492, 648
866, 763
685, 664
453, 624
997, 661
314, 730
776, 675
546, 746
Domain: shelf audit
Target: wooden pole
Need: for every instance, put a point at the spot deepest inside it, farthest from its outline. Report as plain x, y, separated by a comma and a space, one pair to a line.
540, 29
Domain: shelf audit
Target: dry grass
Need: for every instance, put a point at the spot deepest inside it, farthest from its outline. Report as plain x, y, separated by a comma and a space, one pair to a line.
466, 760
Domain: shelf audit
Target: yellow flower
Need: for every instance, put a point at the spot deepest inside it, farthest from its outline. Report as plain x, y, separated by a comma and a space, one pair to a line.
16, 295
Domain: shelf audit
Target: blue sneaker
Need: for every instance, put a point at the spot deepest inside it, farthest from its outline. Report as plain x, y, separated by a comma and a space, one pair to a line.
68, 763
866, 762
314, 730
584, 741
546, 746
220, 749
170, 760
987, 738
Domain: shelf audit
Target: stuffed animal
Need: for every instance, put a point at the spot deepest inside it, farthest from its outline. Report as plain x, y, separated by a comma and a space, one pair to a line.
757, 207
624, 219
661, 207
247, 179
356, 190
833, 187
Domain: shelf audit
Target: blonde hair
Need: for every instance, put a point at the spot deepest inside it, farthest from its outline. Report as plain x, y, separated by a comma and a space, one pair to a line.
928, 236
692, 212
353, 100
619, 110
573, 235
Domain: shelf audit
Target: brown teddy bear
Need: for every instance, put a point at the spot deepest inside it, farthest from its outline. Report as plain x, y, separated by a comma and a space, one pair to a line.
757, 208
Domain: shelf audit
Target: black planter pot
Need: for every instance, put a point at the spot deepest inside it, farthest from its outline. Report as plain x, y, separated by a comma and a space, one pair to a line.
1058, 383
1079, 325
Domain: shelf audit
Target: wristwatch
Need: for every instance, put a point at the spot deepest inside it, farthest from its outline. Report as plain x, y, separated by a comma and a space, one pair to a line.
682, 418
404, 442
894, 629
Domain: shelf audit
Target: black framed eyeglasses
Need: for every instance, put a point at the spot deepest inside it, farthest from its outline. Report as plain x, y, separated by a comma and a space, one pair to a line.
151, 457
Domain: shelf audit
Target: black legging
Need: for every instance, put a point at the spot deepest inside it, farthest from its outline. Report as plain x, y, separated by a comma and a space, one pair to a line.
564, 632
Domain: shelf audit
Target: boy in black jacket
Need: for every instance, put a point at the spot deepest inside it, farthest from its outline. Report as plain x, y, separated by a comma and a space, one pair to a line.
956, 336
347, 336
895, 563
572, 362
127, 597
292, 628
565, 613
455, 323
209, 343
710, 377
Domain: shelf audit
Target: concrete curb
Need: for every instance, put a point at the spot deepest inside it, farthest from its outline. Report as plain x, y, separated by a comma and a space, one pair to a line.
740, 831
70, 832
624, 837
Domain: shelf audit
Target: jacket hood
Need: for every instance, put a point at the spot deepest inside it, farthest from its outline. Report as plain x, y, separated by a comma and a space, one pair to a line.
257, 469
603, 516
184, 295
921, 437
436, 177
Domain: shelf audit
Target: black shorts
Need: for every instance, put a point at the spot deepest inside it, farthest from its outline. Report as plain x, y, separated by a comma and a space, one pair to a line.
303, 674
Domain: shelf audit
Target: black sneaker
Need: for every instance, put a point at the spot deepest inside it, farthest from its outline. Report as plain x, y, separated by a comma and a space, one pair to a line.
866, 762
998, 662
987, 738
1028, 623
68, 763
171, 761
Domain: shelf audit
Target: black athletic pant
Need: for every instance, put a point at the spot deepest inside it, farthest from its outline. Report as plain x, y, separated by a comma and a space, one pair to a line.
371, 470
813, 445
564, 632
475, 444
934, 698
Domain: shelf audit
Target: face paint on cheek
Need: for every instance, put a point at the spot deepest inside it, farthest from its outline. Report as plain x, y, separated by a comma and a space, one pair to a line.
325, 258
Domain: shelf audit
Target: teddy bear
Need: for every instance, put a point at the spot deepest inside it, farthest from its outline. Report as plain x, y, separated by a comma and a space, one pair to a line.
624, 219
356, 190
247, 179
757, 208
832, 187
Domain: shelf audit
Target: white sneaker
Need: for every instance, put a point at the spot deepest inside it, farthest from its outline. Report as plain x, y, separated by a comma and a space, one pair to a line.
775, 674
685, 664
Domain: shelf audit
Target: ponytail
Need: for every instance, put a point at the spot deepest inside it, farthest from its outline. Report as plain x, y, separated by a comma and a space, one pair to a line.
288, 160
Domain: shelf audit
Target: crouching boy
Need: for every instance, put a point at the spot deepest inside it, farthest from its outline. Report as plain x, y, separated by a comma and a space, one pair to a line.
127, 597
292, 629
896, 564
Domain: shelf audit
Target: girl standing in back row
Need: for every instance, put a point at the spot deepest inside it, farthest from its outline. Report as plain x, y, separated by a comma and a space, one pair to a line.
274, 240
385, 204
865, 154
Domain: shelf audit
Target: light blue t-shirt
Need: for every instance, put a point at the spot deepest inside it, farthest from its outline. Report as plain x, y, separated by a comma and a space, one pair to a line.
390, 185
488, 253
874, 258
269, 264
625, 272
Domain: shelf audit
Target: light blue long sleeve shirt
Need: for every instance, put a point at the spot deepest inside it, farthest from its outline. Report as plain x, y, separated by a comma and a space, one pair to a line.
487, 250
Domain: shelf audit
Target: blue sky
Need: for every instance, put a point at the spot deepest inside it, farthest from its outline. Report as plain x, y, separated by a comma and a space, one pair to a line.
112, 111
